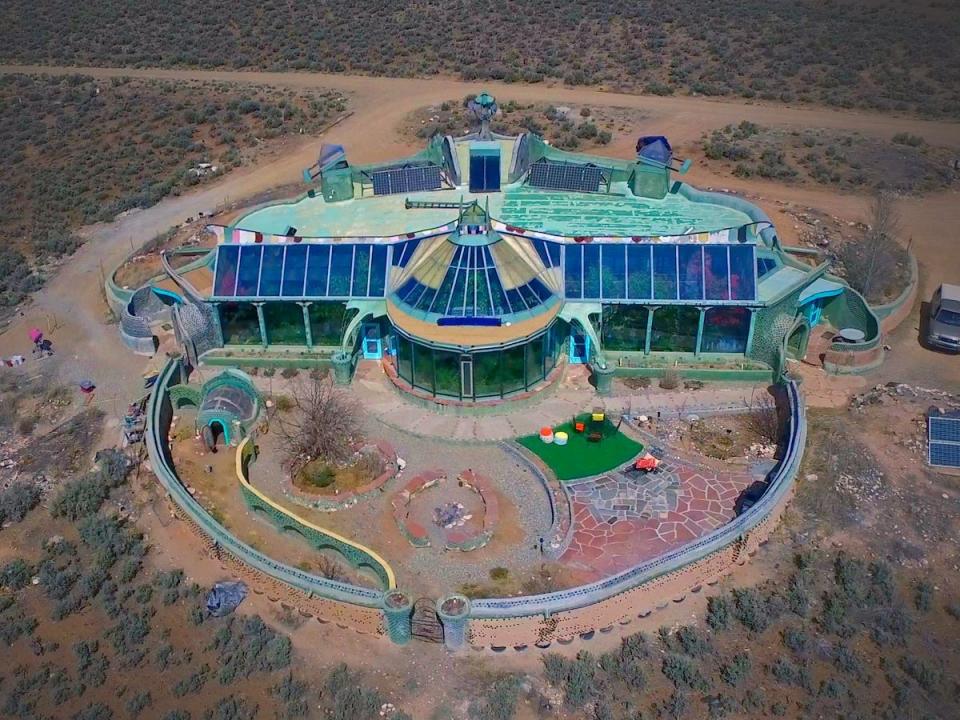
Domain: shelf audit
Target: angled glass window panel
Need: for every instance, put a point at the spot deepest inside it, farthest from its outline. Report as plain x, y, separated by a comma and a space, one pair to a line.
516, 300
378, 271
528, 295
554, 250
499, 297
541, 247
665, 272
484, 307
442, 297
690, 271
409, 291
425, 300
318, 270
361, 270
228, 258
725, 330
403, 252
638, 272
613, 260
455, 306
716, 272
341, 265
765, 266
469, 302
249, 276
294, 268
591, 271
271, 271
743, 285
573, 271
541, 290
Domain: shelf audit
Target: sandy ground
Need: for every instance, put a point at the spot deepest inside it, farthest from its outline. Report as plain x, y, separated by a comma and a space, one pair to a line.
72, 301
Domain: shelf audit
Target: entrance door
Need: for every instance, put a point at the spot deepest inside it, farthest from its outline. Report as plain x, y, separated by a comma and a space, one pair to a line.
813, 312
579, 346
425, 625
466, 376
372, 343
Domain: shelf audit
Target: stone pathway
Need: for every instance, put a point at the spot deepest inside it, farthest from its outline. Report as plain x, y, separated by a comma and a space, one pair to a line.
621, 519
509, 420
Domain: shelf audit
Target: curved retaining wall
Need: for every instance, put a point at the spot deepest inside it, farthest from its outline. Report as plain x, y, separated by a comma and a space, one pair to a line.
502, 622
355, 606
891, 314
358, 555
540, 619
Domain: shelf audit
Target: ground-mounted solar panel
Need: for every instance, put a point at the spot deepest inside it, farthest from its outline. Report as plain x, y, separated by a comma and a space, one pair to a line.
565, 176
943, 436
406, 179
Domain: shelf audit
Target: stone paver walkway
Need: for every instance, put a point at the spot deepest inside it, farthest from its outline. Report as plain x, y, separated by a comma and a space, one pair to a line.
509, 420
622, 519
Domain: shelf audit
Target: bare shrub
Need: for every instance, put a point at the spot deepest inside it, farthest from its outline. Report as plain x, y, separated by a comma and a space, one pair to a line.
671, 379
323, 424
331, 569
762, 416
874, 264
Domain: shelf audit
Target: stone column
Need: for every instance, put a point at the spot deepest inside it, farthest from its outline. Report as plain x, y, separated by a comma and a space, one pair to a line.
341, 367
454, 614
263, 324
397, 611
306, 324
753, 324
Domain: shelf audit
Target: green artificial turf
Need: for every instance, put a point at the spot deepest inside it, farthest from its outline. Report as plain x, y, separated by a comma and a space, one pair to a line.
580, 458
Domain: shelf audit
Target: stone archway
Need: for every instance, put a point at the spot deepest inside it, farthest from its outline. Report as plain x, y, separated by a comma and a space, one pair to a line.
425, 623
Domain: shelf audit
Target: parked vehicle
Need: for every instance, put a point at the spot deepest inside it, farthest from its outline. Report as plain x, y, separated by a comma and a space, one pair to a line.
944, 325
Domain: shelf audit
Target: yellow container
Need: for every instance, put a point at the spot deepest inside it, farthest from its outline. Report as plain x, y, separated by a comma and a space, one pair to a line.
597, 417
560, 438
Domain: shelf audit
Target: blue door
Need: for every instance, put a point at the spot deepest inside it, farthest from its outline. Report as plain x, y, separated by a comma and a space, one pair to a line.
579, 346
813, 312
372, 342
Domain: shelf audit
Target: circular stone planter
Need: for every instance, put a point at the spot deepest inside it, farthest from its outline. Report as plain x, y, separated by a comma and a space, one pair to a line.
454, 614
398, 608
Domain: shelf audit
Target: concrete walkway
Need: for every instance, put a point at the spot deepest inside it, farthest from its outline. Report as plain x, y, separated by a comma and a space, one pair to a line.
374, 391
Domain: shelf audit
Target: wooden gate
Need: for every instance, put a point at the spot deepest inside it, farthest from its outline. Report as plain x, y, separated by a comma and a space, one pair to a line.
425, 625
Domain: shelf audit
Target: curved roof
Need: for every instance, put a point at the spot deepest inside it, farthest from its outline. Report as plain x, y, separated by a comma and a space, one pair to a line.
501, 276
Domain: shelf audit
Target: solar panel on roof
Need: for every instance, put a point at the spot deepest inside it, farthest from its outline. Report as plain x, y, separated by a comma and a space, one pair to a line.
943, 447
564, 176
407, 179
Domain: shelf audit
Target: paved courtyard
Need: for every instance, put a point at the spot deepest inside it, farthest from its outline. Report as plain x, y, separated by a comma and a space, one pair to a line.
621, 519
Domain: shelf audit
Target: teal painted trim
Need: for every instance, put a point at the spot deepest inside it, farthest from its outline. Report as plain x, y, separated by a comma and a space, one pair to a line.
262, 321
167, 293
704, 374
306, 324
819, 296
700, 320
649, 336
750, 332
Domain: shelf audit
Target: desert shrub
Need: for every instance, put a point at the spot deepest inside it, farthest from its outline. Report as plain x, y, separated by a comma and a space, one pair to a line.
110, 538
924, 675
555, 669
344, 697
129, 633
789, 673
846, 660
890, 626
904, 138
923, 596
677, 705
754, 700
289, 372
246, 646
718, 612
171, 596
15, 624
754, 610
683, 672
94, 711
796, 639
232, 708
832, 688
17, 500
500, 700
144, 594
177, 715
720, 706
293, 693
671, 379
627, 663
15, 574
736, 670
193, 683
169, 579
317, 474
687, 639
953, 610
498, 574
136, 705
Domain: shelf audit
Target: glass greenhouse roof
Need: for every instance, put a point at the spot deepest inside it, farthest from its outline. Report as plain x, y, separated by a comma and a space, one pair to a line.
300, 271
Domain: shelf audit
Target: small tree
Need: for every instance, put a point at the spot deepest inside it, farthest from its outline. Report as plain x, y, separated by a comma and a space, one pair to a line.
873, 262
323, 424
763, 417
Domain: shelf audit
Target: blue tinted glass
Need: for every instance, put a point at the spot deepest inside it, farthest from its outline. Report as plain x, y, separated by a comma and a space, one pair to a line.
716, 272
541, 290
638, 272
541, 247
318, 268
403, 253
361, 270
294, 267
455, 305
378, 271
484, 307
591, 271
442, 297
341, 264
226, 282
271, 271
408, 291
500, 306
529, 296
249, 274
691, 272
665, 272
572, 271
613, 259
516, 301
743, 284
554, 250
